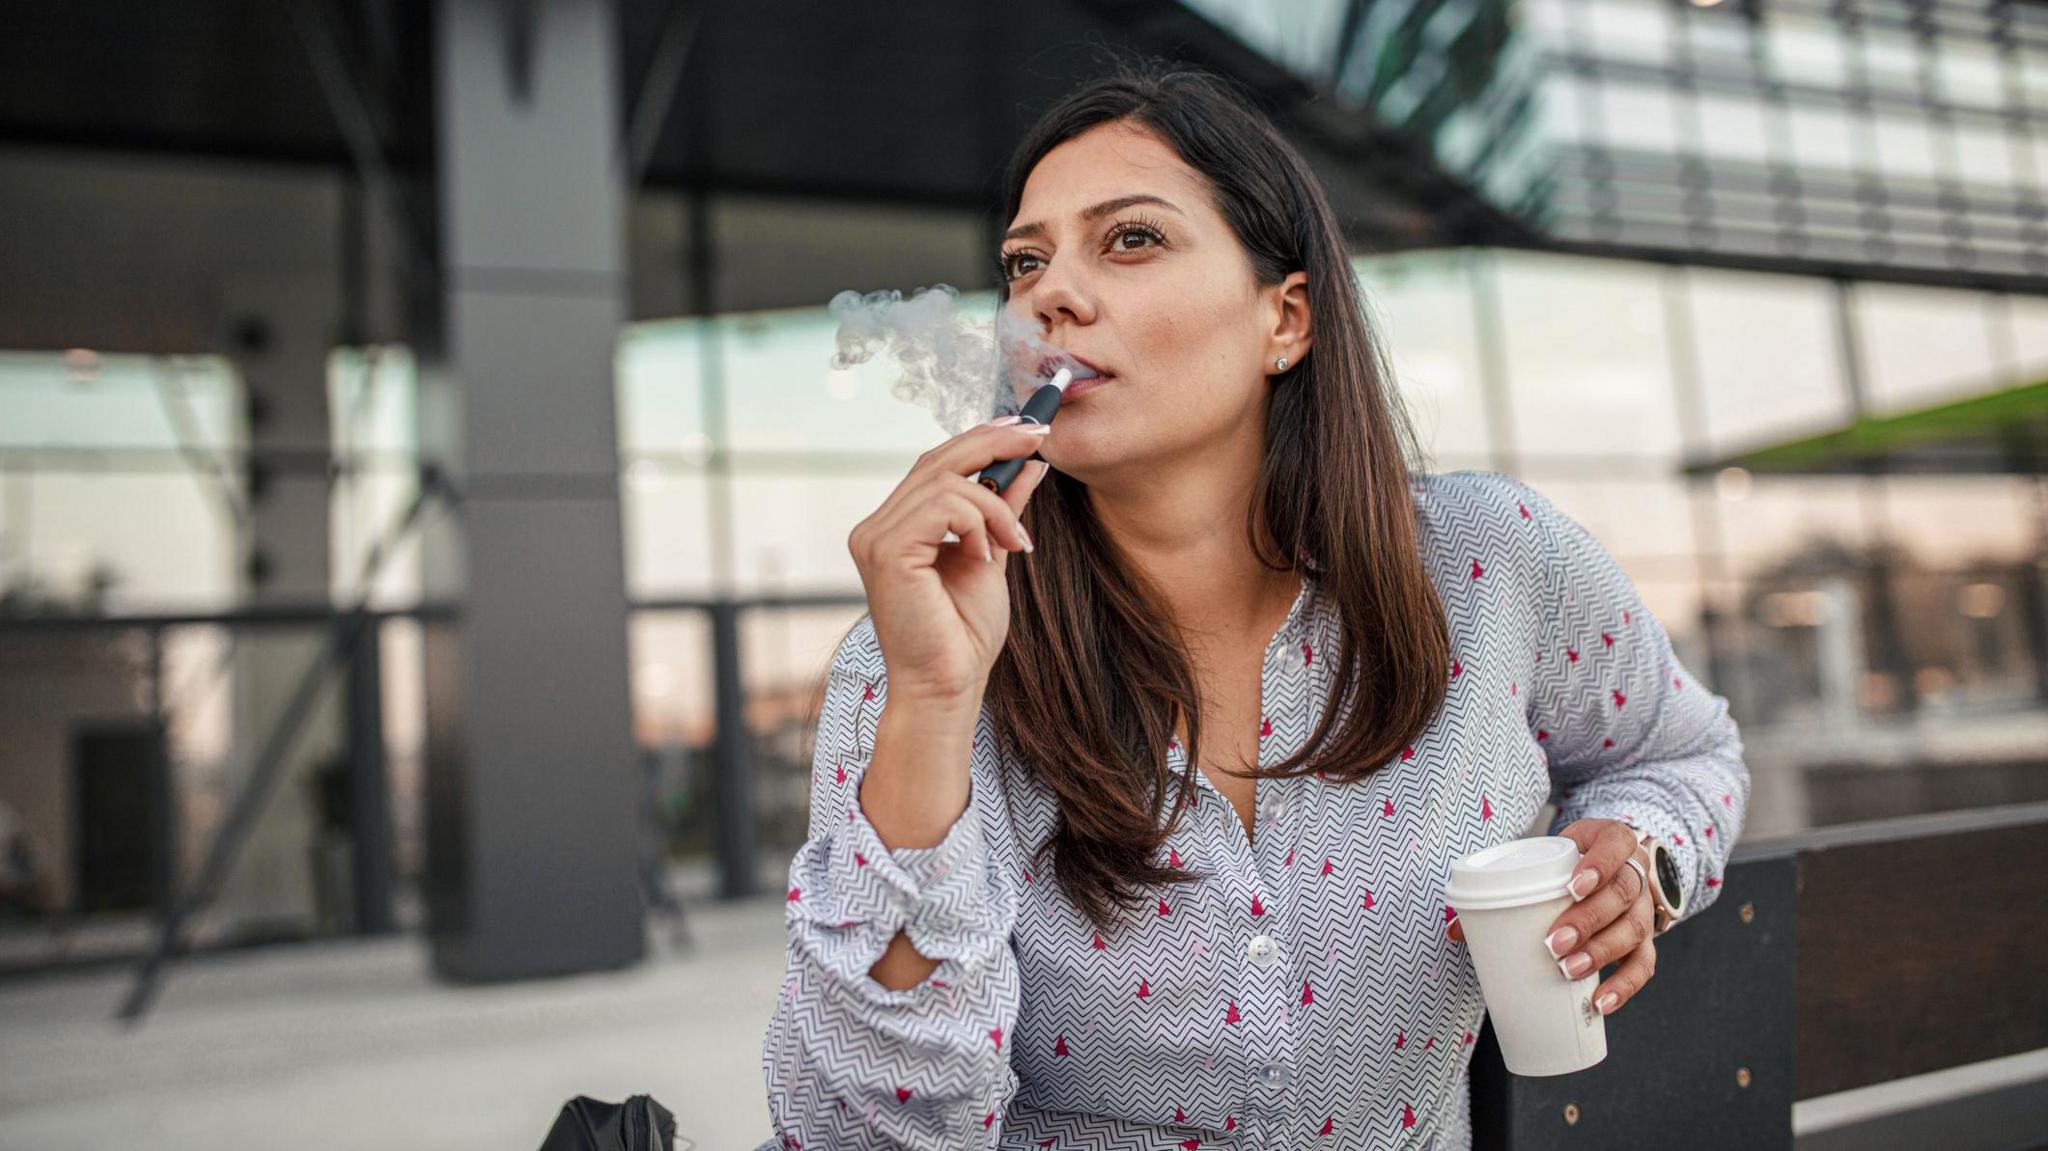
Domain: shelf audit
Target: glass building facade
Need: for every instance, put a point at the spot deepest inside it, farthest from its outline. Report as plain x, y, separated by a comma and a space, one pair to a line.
745, 460
1889, 133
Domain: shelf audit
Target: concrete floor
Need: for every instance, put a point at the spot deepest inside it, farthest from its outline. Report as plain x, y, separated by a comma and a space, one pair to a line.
354, 1045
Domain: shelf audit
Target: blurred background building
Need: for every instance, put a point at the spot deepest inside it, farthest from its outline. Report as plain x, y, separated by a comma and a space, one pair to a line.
423, 412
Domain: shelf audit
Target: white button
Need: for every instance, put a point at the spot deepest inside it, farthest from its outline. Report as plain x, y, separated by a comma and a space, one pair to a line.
1278, 661
1262, 950
1274, 1075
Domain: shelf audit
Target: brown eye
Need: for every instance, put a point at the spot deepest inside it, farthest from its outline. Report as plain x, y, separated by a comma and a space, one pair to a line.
1121, 234
1009, 264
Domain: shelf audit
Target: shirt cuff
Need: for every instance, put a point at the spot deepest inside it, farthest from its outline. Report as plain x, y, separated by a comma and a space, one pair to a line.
940, 896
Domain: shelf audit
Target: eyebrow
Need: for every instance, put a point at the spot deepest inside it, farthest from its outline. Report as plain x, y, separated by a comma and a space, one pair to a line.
1029, 231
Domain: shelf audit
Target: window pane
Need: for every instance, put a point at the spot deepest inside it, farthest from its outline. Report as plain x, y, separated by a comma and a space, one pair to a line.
1949, 522
1810, 53
1422, 310
785, 654
799, 524
660, 388
1984, 156
1891, 60
1905, 145
1631, 31
1766, 354
1921, 345
1733, 127
668, 533
2029, 339
1588, 370
782, 394
1638, 116
1780, 517
1969, 75
1821, 138
161, 537
86, 399
1557, 115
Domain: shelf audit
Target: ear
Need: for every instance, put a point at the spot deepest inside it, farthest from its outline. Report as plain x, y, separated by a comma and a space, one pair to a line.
1290, 335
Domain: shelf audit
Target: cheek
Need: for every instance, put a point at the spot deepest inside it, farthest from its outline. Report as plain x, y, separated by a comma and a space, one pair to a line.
1189, 327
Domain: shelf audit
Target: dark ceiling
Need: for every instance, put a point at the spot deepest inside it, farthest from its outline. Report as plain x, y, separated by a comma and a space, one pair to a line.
913, 102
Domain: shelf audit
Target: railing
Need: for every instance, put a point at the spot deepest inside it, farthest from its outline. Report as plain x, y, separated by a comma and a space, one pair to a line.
1869, 986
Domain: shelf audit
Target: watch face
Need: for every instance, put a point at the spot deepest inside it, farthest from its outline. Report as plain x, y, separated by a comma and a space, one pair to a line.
1667, 875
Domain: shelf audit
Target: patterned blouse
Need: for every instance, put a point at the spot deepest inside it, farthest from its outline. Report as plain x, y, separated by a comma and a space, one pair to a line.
1302, 992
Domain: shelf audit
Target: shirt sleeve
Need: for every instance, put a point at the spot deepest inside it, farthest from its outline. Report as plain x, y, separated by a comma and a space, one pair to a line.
1629, 732
850, 1063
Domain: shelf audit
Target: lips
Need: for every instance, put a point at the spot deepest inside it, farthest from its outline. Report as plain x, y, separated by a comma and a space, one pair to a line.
1082, 369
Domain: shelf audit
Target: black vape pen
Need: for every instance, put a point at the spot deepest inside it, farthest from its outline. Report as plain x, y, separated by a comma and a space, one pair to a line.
1039, 409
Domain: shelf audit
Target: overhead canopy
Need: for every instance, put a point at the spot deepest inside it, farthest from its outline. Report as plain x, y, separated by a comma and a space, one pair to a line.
912, 102
2003, 432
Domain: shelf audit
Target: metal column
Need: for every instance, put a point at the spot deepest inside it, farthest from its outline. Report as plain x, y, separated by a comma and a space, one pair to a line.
533, 785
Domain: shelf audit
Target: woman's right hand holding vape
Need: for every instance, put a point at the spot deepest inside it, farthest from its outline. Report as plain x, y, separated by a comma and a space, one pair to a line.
941, 614
942, 609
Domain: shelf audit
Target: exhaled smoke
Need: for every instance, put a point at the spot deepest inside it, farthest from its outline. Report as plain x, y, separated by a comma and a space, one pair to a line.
964, 369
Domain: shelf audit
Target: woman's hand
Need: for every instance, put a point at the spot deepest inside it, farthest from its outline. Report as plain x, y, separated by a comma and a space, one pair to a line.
1612, 922
942, 610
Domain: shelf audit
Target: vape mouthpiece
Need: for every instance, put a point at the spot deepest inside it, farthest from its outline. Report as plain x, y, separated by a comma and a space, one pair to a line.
1061, 379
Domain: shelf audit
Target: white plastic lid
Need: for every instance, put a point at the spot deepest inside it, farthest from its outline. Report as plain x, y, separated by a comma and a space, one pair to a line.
1512, 874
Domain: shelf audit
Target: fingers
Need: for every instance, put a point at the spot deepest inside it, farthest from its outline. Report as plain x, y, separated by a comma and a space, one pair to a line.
1604, 848
911, 526
1636, 969
1609, 924
999, 516
976, 448
932, 498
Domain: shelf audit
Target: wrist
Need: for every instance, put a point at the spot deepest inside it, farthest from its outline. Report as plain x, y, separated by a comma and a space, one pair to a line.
917, 781
1659, 871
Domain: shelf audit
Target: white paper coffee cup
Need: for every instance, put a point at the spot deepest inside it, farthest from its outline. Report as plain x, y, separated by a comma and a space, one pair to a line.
1507, 897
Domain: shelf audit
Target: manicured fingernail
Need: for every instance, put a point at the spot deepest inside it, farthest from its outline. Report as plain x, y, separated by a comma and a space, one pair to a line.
1583, 884
1561, 940
1039, 429
1027, 538
1606, 1002
1576, 966
988, 553
1005, 421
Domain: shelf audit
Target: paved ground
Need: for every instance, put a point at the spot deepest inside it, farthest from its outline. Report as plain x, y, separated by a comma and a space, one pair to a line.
356, 1045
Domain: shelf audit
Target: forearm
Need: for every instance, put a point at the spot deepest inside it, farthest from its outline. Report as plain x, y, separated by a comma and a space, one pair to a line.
915, 789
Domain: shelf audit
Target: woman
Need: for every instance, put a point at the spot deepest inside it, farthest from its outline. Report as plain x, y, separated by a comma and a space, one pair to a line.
1133, 807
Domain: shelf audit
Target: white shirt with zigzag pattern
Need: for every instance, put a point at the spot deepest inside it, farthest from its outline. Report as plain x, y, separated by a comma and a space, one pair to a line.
1302, 992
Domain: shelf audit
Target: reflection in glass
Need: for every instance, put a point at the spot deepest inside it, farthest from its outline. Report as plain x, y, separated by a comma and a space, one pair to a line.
1586, 358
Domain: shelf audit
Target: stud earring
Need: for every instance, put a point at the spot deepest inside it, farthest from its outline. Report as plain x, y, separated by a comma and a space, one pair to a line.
1280, 364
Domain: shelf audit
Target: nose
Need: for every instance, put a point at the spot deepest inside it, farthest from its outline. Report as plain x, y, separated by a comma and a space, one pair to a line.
1059, 296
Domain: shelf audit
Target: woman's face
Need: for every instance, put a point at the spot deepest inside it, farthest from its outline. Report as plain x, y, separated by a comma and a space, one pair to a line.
1120, 258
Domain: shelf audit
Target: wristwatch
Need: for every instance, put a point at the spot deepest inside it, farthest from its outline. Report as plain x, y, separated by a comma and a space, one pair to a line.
1667, 897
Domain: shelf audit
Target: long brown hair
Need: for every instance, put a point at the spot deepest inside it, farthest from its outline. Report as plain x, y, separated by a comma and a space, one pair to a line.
1094, 674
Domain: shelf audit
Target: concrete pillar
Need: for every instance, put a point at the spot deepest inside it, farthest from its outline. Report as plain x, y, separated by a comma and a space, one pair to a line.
531, 794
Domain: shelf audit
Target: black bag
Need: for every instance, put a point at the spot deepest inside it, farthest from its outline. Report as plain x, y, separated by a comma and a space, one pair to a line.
586, 1124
